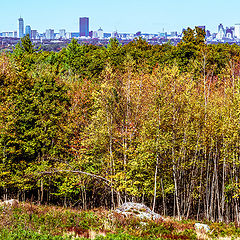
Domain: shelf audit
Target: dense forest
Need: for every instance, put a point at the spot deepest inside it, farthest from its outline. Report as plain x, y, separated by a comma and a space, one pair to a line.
93, 126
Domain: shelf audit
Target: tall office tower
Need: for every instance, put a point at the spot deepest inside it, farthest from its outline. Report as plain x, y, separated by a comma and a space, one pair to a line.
221, 32
237, 31
84, 26
28, 31
20, 28
221, 28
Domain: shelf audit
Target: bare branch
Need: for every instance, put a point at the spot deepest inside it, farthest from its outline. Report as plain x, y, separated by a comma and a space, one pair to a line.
76, 171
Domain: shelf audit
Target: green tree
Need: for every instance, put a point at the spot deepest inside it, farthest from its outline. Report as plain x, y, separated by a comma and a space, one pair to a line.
35, 122
27, 45
190, 47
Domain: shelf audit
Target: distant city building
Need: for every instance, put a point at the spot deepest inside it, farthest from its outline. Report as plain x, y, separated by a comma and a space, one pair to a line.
84, 26
34, 34
214, 35
114, 34
68, 35
20, 28
95, 34
42, 36
220, 27
107, 35
174, 34
208, 34
163, 35
221, 32
230, 32
7, 34
100, 33
57, 36
50, 34
237, 31
75, 35
91, 34
62, 33
28, 31
123, 35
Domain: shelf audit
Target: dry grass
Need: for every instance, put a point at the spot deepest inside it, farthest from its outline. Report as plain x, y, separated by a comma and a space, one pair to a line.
203, 236
89, 224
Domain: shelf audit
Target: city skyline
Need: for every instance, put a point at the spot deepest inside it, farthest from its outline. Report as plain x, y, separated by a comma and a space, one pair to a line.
83, 23
127, 16
224, 34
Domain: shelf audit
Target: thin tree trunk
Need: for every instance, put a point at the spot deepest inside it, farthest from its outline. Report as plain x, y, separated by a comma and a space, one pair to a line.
200, 192
111, 159
41, 199
176, 191
155, 184
163, 197
223, 183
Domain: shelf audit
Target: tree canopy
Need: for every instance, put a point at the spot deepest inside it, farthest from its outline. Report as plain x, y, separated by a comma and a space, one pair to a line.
97, 126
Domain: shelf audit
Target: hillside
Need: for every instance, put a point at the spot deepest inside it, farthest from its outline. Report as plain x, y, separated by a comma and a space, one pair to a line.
29, 221
93, 127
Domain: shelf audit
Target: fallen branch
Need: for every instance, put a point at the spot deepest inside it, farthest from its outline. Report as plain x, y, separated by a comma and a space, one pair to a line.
77, 171
108, 183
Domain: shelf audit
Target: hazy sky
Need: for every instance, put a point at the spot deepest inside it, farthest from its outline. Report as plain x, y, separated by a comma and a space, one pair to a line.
150, 16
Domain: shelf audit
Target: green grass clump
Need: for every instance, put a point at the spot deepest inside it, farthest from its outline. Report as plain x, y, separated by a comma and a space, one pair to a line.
121, 236
48, 220
22, 234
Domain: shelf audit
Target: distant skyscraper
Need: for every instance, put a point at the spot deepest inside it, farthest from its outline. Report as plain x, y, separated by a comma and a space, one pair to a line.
84, 26
20, 28
220, 28
28, 31
221, 32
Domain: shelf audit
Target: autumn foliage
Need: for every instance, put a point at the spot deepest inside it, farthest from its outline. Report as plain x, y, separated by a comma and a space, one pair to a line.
93, 126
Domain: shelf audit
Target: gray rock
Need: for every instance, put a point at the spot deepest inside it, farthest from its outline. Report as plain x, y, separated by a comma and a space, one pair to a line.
9, 203
200, 226
138, 210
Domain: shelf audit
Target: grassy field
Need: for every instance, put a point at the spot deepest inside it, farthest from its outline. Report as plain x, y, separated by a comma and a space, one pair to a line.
27, 221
